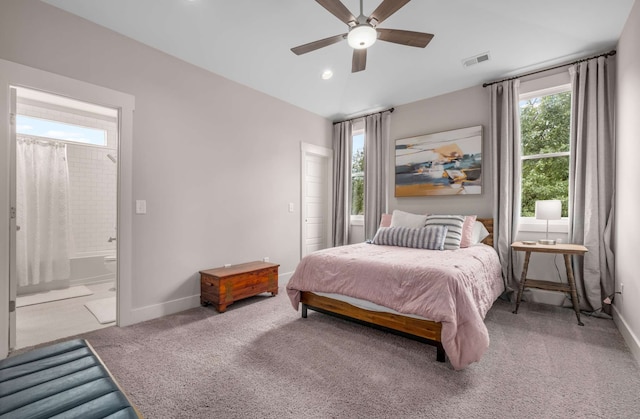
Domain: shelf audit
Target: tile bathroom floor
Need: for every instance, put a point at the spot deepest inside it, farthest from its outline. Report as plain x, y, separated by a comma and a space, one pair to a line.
53, 320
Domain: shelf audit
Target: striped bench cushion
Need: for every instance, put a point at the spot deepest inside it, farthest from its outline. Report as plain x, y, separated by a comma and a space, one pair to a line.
67, 380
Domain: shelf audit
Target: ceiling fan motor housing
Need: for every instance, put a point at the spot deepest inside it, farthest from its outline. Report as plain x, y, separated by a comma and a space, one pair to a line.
362, 36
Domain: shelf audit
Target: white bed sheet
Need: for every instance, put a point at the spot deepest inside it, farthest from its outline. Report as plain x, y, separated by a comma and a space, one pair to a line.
366, 305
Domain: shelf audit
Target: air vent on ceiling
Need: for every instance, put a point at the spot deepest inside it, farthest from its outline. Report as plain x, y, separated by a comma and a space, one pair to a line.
476, 59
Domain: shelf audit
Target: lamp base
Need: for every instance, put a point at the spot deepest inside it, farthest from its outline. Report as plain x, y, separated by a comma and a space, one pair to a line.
547, 242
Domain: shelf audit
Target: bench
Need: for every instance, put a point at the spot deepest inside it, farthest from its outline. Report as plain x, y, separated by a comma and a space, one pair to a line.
67, 379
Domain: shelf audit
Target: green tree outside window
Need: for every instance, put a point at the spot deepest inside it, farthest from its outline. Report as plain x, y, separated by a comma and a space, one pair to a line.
357, 182
545, 140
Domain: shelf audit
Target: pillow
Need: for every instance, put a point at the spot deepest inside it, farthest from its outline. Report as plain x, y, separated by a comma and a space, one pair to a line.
406, 219
480, 233
454, 228
467, 230
431, 237
385, 220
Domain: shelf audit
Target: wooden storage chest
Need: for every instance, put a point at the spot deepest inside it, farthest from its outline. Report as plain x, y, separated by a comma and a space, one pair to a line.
223, 286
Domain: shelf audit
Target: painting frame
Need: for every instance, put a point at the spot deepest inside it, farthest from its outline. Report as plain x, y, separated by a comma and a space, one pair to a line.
447, 163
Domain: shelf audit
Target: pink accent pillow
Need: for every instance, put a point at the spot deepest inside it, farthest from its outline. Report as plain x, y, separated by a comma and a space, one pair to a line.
467, 230
385, 221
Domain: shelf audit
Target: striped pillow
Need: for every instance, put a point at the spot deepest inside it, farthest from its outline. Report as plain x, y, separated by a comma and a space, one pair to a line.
454, 228
431, 237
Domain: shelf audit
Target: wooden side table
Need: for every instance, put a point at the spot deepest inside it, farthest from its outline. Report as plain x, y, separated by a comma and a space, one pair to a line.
564, 249
223, 286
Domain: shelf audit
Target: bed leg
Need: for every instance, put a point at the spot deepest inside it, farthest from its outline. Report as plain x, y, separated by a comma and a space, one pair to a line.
440, 354
304, 311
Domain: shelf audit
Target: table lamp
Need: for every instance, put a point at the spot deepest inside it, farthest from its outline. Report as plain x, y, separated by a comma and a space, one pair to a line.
548, 210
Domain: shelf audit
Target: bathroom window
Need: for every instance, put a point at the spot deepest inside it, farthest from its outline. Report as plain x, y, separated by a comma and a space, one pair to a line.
45, 128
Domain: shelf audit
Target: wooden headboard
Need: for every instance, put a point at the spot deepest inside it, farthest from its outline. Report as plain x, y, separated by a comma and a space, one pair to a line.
488, 224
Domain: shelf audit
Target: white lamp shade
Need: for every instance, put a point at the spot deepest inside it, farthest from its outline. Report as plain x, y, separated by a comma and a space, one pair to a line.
362, 36
549, 210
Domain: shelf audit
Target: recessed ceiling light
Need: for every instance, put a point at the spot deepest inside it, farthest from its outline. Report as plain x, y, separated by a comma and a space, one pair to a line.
327, 74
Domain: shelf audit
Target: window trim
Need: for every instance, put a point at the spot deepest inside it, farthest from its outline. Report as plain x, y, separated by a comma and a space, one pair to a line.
547, 91
545, 155
532, 225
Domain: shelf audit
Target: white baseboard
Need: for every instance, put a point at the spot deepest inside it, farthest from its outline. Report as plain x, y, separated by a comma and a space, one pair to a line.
629, 337
154, 311
283, 279
175, 306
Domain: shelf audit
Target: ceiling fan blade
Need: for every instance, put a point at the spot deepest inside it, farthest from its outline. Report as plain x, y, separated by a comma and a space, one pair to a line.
339, 10
312, 46
410, 38
386, 9
359, 61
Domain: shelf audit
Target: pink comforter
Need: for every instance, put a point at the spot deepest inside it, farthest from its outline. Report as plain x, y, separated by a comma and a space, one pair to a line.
454, 287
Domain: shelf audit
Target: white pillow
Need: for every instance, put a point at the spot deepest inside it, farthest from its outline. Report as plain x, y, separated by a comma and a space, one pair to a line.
480, 233
407, 219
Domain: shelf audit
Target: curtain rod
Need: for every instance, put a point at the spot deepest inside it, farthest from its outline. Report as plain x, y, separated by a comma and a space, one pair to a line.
606, 54
364, 116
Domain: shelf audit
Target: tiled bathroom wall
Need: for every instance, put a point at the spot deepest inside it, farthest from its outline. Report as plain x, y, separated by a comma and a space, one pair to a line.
92, 179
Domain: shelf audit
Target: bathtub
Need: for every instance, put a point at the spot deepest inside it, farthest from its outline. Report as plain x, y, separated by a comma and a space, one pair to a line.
90, 269
85, 270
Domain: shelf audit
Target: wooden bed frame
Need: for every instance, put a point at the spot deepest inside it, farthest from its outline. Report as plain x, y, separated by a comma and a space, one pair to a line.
426, 331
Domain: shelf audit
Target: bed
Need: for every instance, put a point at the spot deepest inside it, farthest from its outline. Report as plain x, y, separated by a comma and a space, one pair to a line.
439, 297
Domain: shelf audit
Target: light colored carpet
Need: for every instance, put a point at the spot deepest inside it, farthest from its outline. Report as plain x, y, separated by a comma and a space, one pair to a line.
104, 309
261, 360
54, 295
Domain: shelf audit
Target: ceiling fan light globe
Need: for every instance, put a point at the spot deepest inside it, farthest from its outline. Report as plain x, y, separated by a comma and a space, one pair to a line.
362, 36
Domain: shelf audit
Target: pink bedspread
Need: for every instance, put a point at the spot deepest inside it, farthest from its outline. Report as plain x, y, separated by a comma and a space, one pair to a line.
454, 287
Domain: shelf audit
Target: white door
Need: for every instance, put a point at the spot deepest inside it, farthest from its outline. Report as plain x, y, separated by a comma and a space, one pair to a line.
13, 284
316, 198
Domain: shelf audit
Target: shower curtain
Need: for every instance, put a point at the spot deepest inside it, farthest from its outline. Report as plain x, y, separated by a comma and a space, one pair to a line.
42, 194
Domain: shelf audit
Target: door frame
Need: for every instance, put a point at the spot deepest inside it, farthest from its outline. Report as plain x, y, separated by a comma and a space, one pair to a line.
327, 154
13, 74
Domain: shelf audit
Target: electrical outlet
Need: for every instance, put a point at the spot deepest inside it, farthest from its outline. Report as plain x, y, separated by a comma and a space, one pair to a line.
265, 259
621, 287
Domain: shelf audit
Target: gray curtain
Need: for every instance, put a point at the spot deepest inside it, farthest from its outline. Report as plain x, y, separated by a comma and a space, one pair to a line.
592, 178
505, 149
341, 182
376, 128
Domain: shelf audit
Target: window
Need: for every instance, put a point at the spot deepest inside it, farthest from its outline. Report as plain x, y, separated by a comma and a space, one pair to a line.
357, 177
60, 131
545, 122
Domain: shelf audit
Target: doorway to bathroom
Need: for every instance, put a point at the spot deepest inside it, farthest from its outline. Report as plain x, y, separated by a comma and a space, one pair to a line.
14, 75
66, 216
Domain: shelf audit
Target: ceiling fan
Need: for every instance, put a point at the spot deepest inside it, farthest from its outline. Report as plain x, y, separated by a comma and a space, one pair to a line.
364, 31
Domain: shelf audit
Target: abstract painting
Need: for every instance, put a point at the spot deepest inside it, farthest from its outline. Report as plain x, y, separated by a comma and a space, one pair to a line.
443, 163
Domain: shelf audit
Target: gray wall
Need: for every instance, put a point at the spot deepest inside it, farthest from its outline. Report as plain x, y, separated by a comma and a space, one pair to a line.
627, 229
217, 162
461, 109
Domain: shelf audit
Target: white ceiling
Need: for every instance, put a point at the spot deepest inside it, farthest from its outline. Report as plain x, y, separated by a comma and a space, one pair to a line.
249, 41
